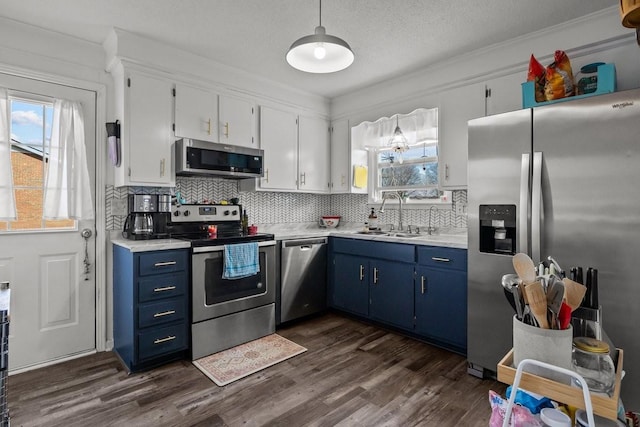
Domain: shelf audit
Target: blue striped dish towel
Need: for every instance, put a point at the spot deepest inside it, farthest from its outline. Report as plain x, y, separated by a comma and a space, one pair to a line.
241, 260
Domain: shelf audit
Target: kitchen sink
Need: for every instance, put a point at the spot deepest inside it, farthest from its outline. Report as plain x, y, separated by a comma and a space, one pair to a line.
376, 232
388, 233
402, 235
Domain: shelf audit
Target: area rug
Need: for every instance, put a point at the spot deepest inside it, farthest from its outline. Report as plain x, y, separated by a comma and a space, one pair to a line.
238, 362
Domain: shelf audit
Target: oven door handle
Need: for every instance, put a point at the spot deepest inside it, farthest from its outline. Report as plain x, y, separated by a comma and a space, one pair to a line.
203, 249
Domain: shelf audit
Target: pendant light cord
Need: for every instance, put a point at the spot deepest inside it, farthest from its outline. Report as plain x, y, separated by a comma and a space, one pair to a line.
320, 1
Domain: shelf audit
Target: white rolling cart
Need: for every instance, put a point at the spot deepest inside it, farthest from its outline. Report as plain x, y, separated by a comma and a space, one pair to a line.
516, 382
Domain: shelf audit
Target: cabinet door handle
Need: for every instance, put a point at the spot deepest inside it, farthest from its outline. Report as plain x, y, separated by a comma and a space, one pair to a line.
375, 275
446, 172
303, 178
164, 313
226, 129
162, 167
361, 272
267, 175
438, 259
342, 180
161, 340
422, 284
164, 289
209, 127
164, 263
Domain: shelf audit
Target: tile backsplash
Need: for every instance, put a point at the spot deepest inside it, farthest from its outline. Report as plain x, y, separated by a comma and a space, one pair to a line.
280, 207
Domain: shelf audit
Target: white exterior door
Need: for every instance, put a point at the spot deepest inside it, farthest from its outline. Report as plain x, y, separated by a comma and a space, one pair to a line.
53, 305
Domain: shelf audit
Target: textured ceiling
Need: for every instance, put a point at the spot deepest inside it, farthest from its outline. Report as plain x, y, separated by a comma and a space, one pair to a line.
388, 37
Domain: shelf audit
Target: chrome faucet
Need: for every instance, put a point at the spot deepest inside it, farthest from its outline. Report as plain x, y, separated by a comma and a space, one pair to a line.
430, 229
400, 227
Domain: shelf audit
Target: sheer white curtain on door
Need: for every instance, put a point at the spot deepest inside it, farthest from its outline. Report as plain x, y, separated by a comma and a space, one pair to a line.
67, 188
7, 198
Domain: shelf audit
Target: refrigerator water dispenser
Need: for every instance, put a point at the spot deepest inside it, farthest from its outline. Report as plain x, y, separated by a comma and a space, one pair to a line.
498, 229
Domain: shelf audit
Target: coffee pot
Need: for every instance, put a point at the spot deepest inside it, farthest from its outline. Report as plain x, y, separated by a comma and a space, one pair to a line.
138, 226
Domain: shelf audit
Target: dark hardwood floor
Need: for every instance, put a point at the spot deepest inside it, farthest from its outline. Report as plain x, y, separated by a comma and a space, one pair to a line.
353, 374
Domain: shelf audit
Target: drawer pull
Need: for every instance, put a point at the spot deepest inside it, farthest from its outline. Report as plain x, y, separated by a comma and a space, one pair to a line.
422, 283
164, 264
165, 313
167, 339
164, 289
438, 259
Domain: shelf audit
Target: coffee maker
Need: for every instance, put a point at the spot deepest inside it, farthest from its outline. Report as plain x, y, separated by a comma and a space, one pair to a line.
139, 222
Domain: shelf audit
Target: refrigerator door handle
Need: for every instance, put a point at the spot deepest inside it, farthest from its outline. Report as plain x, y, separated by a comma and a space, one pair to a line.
525, 173
536, 207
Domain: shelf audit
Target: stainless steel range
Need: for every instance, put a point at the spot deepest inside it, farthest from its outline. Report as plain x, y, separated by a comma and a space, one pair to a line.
225, 312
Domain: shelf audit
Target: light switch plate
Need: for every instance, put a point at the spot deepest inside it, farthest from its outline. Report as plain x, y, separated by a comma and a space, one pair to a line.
461, 208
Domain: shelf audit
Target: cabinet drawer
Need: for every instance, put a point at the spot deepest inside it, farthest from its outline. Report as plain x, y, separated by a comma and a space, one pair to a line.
432, 256
162, 340
157, 313
384, 250
165, 286
162, 262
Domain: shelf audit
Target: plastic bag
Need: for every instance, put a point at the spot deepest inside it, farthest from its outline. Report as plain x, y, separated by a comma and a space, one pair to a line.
537, 74
520, 416
559, 77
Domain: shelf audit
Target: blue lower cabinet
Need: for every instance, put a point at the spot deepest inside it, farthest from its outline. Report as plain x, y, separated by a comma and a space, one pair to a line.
391, 293
441, 306
150, 306
350, 279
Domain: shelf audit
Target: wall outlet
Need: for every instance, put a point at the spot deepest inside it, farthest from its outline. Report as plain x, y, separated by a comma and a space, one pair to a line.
119, 207
461, 208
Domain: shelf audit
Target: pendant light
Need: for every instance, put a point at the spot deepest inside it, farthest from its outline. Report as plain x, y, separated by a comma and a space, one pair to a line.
320, 52
398, 142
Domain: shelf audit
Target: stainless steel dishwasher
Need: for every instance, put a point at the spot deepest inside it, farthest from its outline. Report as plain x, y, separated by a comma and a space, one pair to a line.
303, 278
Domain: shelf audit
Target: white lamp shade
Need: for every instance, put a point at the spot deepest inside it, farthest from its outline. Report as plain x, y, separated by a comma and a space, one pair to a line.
302, 53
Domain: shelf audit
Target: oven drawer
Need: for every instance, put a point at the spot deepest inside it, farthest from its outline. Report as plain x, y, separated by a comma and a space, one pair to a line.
159, 313
160, 262
167, 286
162, 340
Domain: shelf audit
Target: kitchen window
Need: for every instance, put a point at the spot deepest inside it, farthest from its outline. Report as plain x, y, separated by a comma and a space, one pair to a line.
410, 172
31, 124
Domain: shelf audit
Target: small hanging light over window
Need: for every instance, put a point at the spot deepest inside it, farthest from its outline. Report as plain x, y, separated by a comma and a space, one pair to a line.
320, 52
398, 141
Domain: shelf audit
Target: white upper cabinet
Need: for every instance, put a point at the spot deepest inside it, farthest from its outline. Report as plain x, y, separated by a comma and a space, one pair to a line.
296, 153
340, 158
144, 104
504, 94
457, 107
196, 113
313, 154
237, 121
279, 140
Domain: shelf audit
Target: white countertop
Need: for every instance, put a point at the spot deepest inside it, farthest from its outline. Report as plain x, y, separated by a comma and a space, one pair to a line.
452, 238
150, 245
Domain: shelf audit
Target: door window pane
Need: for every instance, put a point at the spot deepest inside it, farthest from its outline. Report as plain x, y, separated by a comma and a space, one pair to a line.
31, 123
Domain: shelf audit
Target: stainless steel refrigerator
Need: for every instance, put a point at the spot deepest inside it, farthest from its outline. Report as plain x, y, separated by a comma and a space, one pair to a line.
560, 180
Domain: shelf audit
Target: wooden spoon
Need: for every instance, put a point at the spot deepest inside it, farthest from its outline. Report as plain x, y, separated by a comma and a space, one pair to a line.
573, 292
537, 303
524, 267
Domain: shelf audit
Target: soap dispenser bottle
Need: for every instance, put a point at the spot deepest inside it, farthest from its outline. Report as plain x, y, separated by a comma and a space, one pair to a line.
373, 220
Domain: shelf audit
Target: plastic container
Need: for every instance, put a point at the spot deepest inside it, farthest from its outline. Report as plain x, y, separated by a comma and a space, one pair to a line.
590, 358
554, 418
581, 420
587, 78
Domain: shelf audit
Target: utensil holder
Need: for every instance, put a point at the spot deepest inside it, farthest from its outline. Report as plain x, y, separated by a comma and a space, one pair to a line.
551, 346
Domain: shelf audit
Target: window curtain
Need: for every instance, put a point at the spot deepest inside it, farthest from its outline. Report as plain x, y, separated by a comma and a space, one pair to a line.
67, 188
417, 126
7, 197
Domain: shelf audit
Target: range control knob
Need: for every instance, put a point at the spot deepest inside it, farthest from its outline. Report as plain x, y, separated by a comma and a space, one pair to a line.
187, 213
226, 213
234, 213
176, 213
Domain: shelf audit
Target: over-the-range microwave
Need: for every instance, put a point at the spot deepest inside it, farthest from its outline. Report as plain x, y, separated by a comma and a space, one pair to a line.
195, 157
